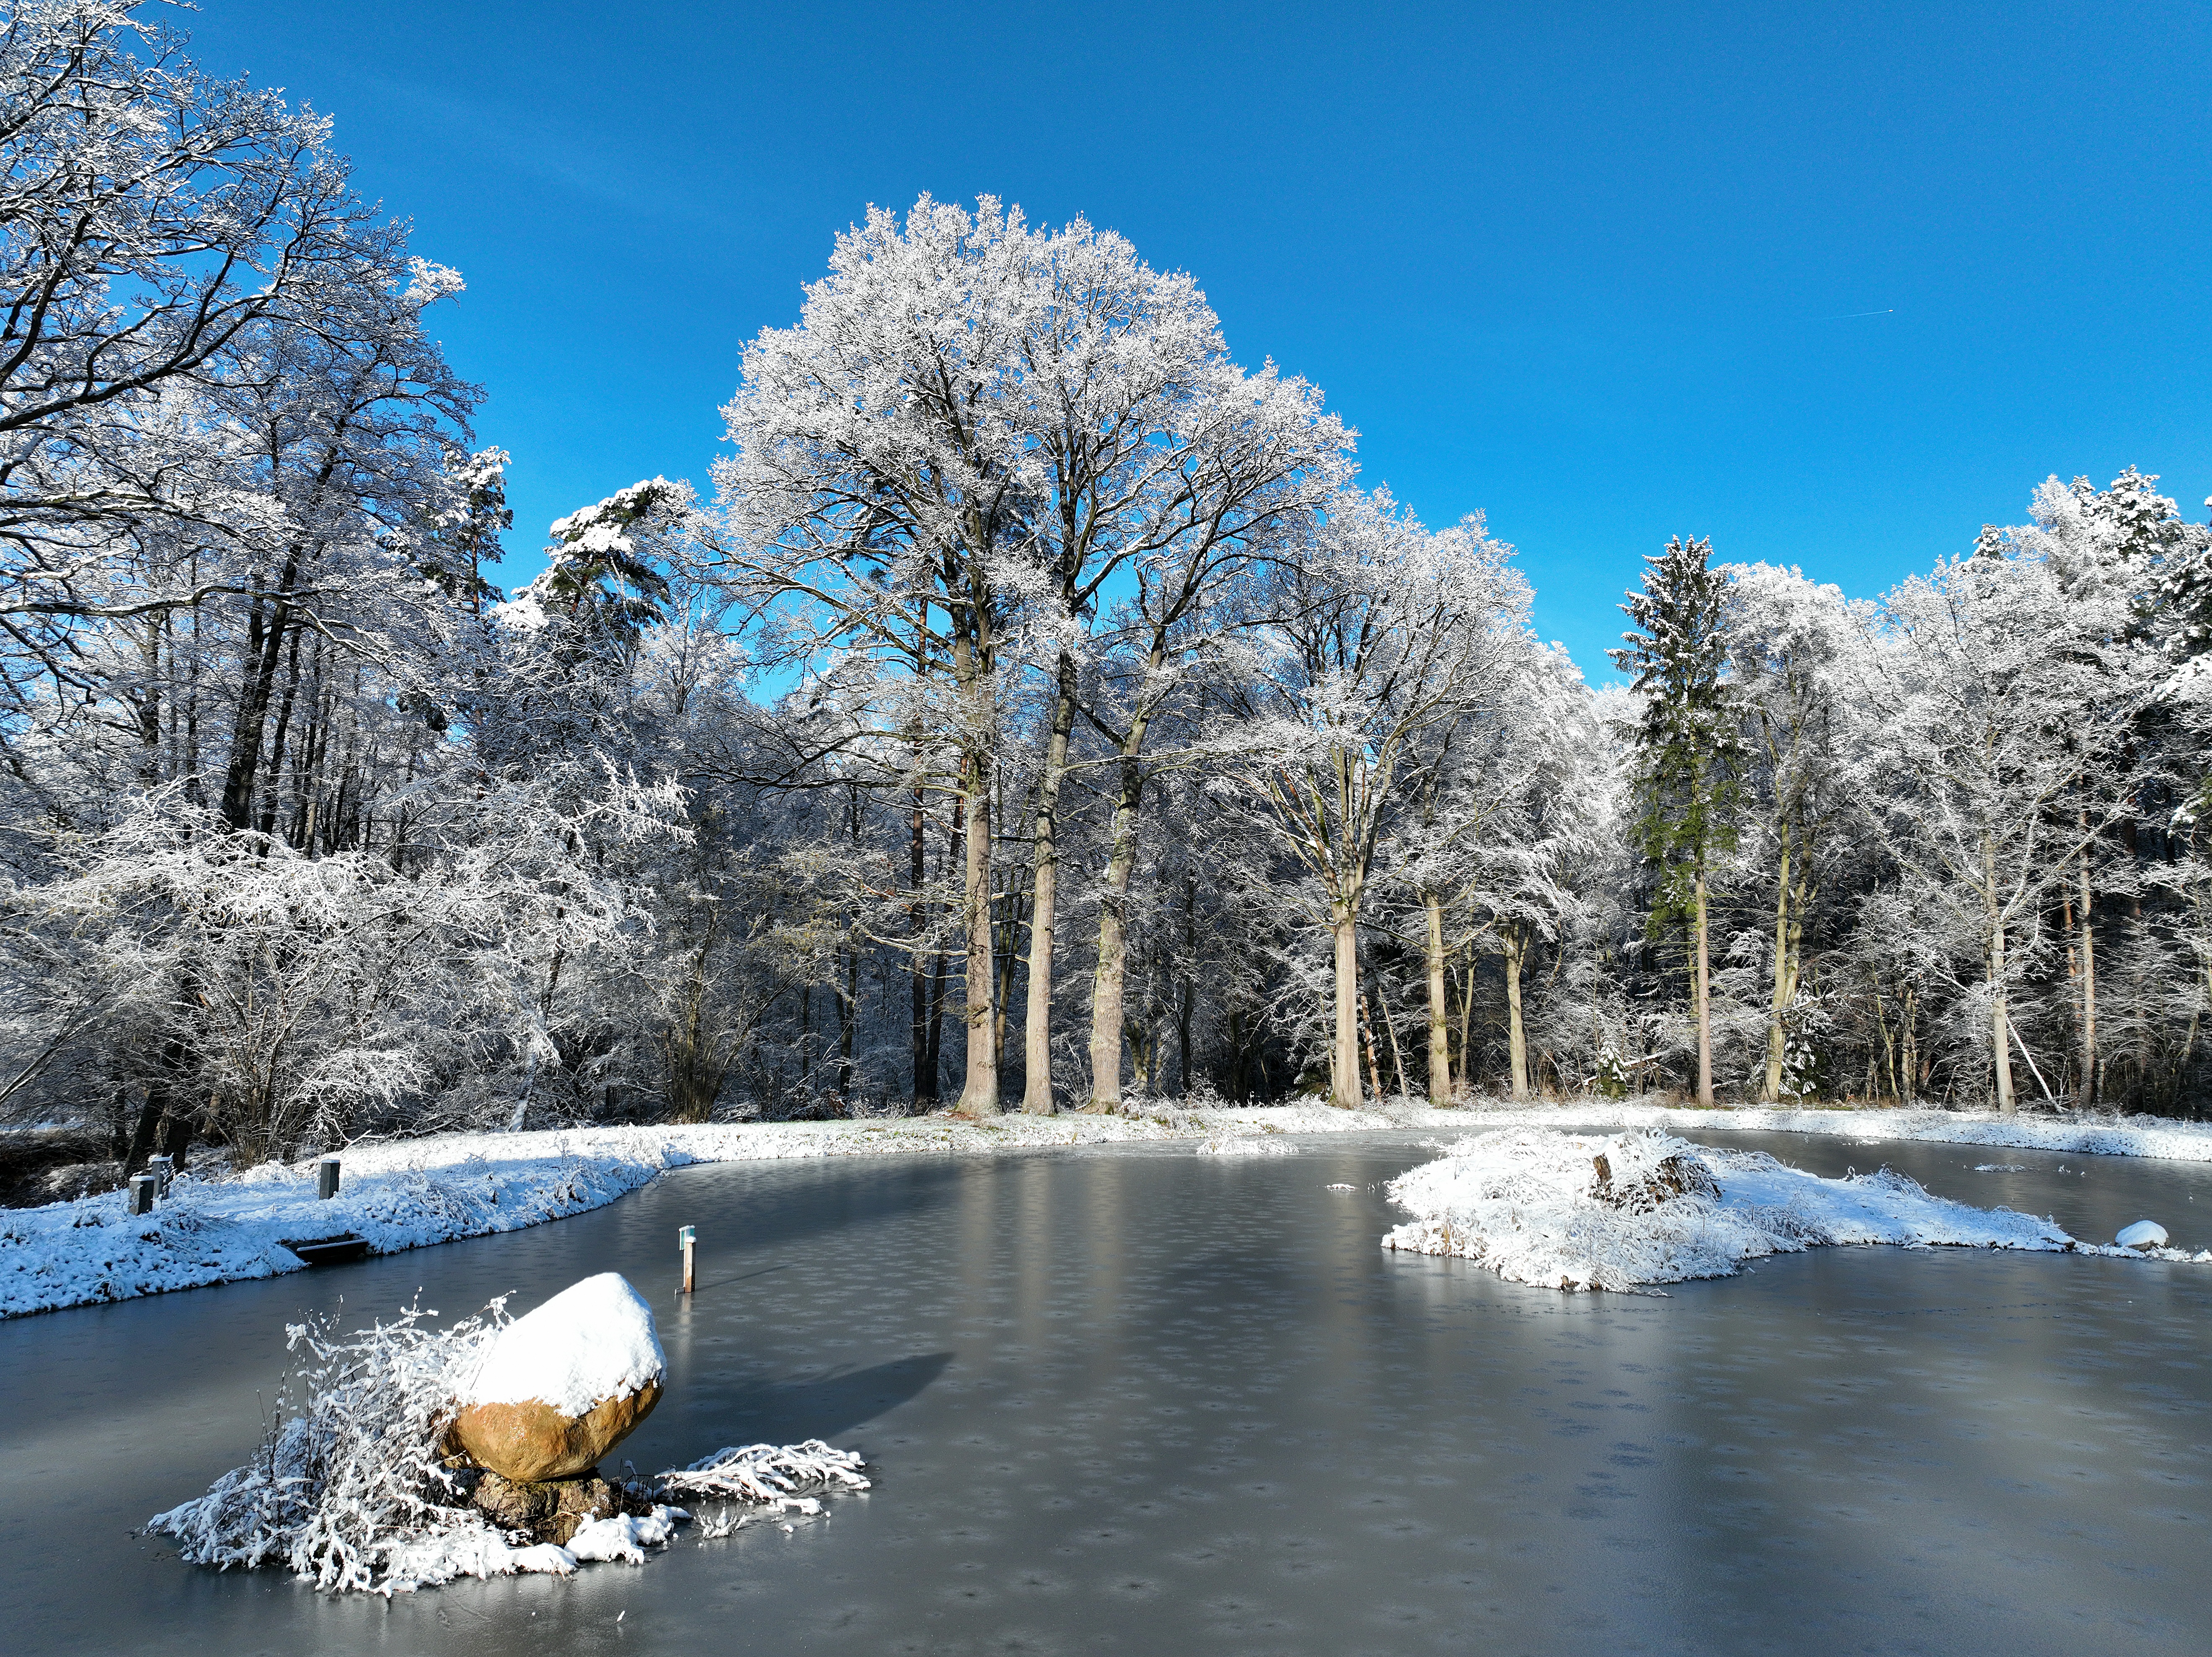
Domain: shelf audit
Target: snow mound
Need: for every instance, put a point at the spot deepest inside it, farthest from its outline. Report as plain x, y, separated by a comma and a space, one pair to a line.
593, 1341
2143, 1234
1243, 1145
626, 1536
1620, 1211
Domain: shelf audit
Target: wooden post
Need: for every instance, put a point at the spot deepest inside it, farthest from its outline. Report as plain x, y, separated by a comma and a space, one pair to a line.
141, 1193
688, 1237
163, 1170
326, 1178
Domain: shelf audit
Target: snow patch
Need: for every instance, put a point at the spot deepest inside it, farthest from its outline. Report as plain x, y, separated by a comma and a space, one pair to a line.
626, 1536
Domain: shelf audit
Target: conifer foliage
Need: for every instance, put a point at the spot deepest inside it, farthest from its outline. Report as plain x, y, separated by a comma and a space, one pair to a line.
1688, 751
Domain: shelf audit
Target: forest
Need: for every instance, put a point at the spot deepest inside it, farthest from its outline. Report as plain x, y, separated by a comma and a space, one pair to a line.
1036, 709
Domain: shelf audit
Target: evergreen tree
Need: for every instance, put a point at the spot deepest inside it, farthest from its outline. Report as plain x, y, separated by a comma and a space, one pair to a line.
1687, 754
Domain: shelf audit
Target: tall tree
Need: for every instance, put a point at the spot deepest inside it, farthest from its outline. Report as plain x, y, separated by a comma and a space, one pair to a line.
1369, 645
1688, 753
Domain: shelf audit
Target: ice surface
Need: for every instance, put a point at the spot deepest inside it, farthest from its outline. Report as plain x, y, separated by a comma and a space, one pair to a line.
594, 1340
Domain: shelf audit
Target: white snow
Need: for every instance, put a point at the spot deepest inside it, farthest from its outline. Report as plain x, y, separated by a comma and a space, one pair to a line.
2143, 1234
773, 1476
593, 1341
626, 1536
407, 1193
1238, 1145
1620, 1211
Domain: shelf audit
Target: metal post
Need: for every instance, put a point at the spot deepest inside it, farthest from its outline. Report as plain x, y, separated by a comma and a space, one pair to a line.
141, 1193
163, 1171
688, 1237
326, 1178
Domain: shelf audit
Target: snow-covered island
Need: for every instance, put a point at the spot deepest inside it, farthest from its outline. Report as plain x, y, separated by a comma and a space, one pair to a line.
1627, 1211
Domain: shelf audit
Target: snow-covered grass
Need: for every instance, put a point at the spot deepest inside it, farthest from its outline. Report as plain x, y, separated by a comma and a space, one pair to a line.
407, 1193
1623, 1210
350, 1490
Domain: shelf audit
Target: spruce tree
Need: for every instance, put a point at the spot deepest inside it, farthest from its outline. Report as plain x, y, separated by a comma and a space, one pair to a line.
1688, 751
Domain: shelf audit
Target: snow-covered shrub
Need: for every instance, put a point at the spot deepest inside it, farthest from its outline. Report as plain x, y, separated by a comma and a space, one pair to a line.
348, 1473
350, 1488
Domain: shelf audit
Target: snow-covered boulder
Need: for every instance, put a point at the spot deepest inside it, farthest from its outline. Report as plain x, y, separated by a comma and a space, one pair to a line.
560, 1388
2143, 1234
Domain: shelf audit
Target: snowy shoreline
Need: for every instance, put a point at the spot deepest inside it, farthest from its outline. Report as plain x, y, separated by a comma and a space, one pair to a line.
409, 1193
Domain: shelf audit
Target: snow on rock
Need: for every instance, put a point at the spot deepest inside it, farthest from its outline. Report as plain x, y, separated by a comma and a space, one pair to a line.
1620, 1211
2143, 1234
593, 1341
560, 1388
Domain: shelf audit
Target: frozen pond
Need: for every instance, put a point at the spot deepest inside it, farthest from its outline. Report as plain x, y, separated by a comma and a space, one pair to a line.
1145, 1401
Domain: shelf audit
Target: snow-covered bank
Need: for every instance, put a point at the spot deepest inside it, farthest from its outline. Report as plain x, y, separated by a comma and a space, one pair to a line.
2080, 1134
1623, 1211
408, 1193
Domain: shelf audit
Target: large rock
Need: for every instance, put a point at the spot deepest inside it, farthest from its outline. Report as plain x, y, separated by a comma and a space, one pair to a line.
560, 1388
531, 1443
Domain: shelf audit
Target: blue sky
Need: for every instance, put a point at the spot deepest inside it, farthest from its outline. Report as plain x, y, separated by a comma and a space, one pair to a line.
1834, 287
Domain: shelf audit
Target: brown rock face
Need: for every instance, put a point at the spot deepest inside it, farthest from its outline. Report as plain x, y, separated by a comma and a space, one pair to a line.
553, 1511
531, 1443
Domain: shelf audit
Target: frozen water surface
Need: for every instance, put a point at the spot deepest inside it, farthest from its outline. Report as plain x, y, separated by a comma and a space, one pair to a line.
1145, 1401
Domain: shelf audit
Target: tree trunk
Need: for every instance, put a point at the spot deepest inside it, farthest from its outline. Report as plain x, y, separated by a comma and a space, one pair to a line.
1367, 1040
1187, 1006
1440, 1086
1345, 1075
1701, 994
1109, 991
265, 632
1516, 1039
979, 1092
1037, 1027
2000, 1030
1397, 1052
2091, 1080
1770, 1088
925, 1065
